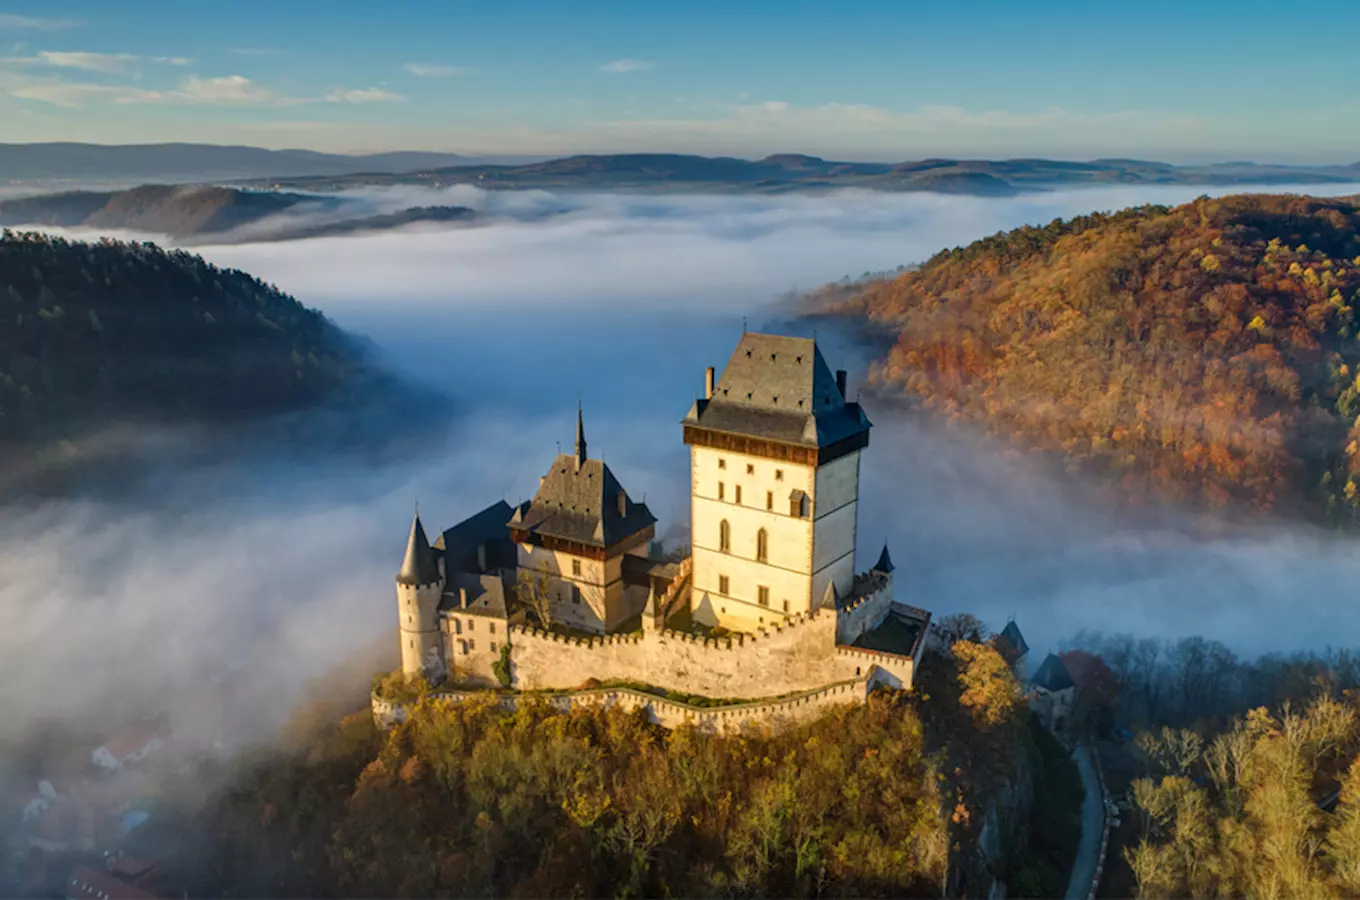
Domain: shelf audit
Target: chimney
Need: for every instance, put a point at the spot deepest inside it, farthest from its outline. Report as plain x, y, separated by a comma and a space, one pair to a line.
481, 557
708, 383
840, 383
462, 597
623, 503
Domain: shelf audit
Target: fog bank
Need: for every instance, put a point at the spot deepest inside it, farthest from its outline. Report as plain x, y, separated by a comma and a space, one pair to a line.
284, 567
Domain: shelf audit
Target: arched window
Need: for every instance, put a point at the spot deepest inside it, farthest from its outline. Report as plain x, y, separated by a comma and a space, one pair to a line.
762, 546
724, 536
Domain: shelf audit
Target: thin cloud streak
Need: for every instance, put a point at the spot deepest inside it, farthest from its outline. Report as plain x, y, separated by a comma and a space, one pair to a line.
627, 66
428, 70
17, 22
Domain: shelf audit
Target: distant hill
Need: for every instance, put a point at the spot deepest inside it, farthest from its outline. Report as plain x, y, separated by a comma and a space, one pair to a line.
798, 172
112, 332
1206, 352
200, 162
188, 211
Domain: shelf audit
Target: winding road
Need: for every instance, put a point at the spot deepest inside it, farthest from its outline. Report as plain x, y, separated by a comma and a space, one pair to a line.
1092, 824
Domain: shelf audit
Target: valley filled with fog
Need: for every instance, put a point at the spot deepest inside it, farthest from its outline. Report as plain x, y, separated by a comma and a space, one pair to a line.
277, 568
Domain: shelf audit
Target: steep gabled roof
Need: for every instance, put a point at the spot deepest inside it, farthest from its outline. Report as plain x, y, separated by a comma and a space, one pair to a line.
488, 527
418, 566
1017, 640
1053, 675
779, 388
580, 501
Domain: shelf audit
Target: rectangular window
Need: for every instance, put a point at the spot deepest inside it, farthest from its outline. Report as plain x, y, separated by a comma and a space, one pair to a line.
722, 584
722, 463
493, 646
472, 645
737, 498
492, 628
786, 606
722, 490
575, 594
576, 567
750, 469
778, 474
471, 623
769, 499
764, 593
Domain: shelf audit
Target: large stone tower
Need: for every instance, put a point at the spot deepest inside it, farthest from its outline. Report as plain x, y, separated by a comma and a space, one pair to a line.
420, 584
774, 484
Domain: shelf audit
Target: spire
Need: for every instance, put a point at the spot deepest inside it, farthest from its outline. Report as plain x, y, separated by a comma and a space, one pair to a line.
884, 563
580, 437
418, 567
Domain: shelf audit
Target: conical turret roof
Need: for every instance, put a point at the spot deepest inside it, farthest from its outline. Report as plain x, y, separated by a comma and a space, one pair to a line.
419, 566
884, 564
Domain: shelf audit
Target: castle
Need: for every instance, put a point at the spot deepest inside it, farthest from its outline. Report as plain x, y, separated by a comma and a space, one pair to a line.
571, 589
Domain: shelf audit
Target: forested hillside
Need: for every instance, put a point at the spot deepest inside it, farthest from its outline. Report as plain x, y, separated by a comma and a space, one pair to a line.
111, 331
1206, 352
468, 800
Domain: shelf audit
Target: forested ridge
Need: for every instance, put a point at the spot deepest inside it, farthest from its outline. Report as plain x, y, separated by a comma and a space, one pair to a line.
115, 331
1205, 352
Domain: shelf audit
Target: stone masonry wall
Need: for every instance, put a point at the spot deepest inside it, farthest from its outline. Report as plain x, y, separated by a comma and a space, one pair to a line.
773, 714
798, 655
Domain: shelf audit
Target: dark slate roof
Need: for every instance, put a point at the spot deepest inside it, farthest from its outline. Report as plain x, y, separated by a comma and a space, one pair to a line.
485, 595
640, 570
1017, 640
781, 389
488, 527
1053, 675
418, 567
884, 563
581, 503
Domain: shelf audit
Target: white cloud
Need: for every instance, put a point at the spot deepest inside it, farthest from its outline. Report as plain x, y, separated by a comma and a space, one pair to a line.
428, 70
110, 63
365, 95
626, 66
71, 95
229, 90
173, 60
9, 20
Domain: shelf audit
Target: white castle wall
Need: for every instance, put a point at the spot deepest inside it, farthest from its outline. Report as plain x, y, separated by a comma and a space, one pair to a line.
798, 655
773, 714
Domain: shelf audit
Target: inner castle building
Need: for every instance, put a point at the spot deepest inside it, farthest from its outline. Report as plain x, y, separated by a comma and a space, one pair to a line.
571, 588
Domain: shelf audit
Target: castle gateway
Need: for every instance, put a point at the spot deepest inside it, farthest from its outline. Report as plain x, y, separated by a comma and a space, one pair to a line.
570, 588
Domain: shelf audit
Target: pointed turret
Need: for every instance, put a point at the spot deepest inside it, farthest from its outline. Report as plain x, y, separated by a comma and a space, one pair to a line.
419, 566
580, 437
884, 564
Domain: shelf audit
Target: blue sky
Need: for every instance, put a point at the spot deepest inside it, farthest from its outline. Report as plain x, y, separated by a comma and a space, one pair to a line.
862, 80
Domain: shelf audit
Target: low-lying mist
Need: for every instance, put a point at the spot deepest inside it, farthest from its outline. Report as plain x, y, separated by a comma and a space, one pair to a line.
276, 569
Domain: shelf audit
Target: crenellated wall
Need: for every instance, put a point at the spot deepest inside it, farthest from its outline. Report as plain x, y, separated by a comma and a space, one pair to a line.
796, 655
867, 608
774, 714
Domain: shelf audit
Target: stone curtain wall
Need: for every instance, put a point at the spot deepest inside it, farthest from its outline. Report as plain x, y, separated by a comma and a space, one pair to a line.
772, 714
798, 655
868, 611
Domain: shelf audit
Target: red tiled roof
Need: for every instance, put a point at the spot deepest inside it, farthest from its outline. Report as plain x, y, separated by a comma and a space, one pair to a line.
89, 883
